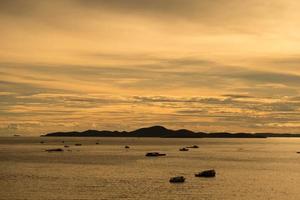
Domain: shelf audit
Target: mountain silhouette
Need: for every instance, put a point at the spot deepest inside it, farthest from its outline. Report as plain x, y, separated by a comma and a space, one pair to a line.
162, 132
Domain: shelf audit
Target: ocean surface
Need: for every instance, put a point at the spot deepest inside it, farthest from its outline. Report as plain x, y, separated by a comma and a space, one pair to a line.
250, 169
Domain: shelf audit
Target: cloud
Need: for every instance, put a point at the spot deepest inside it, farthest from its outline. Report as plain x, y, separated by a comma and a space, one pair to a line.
7, 93
237, 96
204, 11
209, 114
191, 9
199, 64
268, 77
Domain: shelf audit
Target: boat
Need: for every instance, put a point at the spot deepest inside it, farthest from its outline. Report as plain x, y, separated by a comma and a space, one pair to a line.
154, 154
177, 179
54, 150
207, 173
183, 149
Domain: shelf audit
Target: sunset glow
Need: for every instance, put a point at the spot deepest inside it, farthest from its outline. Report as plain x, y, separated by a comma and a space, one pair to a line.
120, 65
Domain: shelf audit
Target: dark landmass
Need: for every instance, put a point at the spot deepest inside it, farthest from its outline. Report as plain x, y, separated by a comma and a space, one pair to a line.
162, 132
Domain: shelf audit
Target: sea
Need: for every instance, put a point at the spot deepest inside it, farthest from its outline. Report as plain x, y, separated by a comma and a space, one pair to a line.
247, 169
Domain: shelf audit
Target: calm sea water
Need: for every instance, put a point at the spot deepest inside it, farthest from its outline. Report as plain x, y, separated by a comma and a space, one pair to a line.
246, 169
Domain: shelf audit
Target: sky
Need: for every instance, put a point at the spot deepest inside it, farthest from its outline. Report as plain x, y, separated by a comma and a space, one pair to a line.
124, 64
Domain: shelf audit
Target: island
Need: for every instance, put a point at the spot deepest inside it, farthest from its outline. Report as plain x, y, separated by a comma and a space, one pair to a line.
162, 132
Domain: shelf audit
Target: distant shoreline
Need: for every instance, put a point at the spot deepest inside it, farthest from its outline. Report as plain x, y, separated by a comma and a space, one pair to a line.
162, 132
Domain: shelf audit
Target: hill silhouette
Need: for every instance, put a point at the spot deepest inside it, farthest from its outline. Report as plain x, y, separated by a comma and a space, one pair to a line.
162, 132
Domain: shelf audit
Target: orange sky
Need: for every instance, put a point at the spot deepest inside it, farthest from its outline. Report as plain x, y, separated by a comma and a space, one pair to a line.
119, 65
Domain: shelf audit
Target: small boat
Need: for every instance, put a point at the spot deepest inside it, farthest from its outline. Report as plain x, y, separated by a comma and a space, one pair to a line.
207, 173
42, 142
78, 144
54, 150
66, 146
177, 179
194, 147
154, 154
183, 149
126, 147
